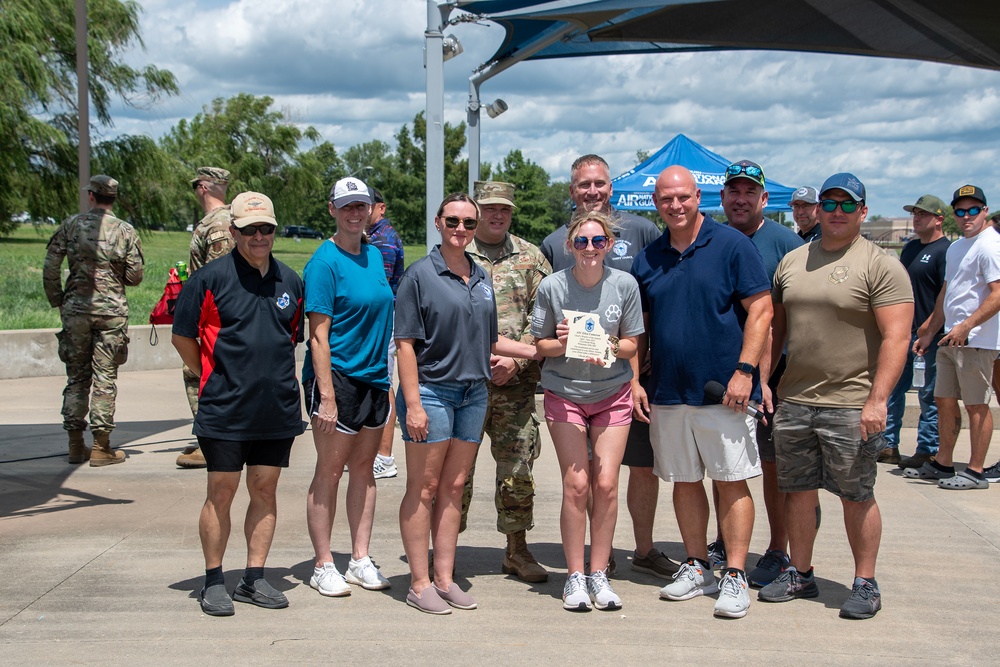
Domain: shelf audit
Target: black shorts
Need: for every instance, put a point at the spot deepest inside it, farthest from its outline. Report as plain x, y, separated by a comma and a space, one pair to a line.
359, 405
231, 455
638, 450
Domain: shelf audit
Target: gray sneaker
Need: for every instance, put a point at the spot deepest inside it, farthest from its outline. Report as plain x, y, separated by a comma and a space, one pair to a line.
734, 596
690, 581
865, 600
600, 590
992, 474
788, 586
575, 594
215, 601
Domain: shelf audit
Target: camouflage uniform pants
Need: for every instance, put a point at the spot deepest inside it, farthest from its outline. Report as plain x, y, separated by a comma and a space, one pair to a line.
92, 347
512, 425
191, 384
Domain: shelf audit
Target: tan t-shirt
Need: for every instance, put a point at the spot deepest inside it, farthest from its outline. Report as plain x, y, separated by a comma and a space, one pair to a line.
833, 337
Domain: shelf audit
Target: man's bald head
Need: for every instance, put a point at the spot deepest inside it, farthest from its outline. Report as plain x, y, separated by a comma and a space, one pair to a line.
676, 175
677, 198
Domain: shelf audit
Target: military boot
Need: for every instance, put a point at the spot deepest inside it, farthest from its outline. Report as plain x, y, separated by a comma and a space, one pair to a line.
103, 455
78, 449
192, 457
519, 561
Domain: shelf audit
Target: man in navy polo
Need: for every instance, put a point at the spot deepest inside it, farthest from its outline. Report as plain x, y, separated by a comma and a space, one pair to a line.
236, 326
705, 301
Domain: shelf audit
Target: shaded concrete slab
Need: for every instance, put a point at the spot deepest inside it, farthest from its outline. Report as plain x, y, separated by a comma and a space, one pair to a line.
103, 567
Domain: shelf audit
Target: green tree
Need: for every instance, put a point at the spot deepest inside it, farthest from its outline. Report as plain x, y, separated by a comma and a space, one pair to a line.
535, 217
38, 113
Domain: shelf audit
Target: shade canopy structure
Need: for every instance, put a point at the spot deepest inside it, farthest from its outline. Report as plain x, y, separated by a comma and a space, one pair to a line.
633, 190
957, 32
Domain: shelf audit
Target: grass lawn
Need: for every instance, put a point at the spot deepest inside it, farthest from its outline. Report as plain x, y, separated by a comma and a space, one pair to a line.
22, 300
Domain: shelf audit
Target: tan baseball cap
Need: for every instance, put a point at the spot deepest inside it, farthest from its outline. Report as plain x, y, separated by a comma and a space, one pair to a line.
250, 208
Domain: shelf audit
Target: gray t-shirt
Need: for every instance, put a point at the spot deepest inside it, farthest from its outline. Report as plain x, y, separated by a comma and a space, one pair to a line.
632, 234
616, 300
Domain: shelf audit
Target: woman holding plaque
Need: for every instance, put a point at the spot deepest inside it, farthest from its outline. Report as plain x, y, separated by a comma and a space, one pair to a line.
586, 321
446, 329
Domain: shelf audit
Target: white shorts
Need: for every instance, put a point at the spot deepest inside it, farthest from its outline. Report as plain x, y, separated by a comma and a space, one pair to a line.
690, 441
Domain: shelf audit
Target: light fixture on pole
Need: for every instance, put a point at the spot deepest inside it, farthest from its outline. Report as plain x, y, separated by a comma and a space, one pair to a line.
357, 171
495, 109
450, 47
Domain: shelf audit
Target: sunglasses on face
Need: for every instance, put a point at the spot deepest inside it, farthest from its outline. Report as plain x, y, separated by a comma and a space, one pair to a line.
452, 222
972, 211
751, 171
599, 242
250, 230
830, 205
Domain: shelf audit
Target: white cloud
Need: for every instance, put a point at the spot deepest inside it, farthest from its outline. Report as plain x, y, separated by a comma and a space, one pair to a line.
353, 69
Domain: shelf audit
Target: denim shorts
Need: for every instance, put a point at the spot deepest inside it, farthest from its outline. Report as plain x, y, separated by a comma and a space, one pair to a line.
454, 410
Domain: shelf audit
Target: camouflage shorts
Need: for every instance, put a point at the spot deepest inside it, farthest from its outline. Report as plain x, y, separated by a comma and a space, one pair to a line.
822, 448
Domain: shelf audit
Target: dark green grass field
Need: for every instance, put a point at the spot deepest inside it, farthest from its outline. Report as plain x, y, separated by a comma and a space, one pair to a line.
22, 299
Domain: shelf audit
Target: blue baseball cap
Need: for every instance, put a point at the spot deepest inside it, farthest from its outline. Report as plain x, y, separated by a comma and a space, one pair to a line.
847, 182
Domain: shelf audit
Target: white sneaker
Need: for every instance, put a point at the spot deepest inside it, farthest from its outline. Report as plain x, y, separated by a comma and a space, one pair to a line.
384, 470
690, 581
605, 598
575, 595
364, 573
734, 597
329, 582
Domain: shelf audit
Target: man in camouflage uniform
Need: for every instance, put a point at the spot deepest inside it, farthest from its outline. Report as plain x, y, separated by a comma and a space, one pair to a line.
105, 256
516, 268
211, 240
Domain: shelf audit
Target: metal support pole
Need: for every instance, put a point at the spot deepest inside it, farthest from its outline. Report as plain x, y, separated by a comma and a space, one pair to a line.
437, 16
82, 104
472, 120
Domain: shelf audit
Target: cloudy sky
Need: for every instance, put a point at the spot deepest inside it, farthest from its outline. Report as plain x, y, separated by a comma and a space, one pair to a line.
353, 70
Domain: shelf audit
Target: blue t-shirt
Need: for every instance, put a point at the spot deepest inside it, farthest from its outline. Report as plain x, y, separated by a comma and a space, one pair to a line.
354, 292
695, 315
773, 240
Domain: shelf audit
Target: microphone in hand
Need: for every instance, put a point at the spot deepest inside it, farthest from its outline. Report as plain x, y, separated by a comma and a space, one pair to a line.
716, 392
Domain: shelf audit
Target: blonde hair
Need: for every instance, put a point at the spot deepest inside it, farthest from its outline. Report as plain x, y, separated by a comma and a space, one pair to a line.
579, 220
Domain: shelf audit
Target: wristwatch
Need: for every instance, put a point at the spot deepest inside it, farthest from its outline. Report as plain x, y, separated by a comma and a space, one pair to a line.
744, 367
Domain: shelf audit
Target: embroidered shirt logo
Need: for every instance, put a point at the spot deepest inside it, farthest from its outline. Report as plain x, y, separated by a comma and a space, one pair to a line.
284, 301
925, 259
620, 248
613, 313
486, 290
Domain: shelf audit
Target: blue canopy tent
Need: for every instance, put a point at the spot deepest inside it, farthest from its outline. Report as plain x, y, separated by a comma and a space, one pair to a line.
633, 190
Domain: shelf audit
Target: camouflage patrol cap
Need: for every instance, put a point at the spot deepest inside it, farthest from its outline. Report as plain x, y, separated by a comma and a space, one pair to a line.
212, 175
495, 192
103, 185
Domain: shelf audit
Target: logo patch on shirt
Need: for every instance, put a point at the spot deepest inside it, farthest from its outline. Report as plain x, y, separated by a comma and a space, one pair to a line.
486, 290
620, 248
925, 259
613, 313
284, 301
839, 274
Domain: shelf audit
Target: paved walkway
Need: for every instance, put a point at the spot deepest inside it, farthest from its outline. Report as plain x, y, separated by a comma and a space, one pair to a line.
102, 566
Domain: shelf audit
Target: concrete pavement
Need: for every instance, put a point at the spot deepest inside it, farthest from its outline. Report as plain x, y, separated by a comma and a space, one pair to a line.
102, 566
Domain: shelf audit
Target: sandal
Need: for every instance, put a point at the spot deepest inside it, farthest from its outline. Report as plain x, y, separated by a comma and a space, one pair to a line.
927, 471
963, 481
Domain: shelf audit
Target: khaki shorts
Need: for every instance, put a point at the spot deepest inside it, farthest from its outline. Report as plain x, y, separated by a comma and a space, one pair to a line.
965, 373
691, 441
821, 448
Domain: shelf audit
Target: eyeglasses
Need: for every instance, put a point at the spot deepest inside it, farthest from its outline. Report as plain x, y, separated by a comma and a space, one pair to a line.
599, 242
452, 222
196, 185
250, 230
830, 205
749, 170
972, 211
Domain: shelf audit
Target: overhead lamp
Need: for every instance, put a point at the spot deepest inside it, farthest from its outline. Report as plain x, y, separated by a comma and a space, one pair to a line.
496, 108
451, 47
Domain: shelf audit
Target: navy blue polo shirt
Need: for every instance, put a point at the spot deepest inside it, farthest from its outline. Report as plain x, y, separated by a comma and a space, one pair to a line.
453, 324
695, 316
248, 325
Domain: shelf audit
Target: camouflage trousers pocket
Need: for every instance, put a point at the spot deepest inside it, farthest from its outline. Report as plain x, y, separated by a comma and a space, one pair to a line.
61, 346
121, 353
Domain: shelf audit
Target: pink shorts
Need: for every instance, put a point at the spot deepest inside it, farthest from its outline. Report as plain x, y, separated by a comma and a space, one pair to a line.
613, 411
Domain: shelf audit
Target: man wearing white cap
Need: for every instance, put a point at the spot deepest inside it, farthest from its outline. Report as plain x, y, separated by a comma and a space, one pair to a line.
805, 211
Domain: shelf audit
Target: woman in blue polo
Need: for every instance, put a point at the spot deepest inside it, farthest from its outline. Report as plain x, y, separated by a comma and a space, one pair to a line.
446, 329
346, 382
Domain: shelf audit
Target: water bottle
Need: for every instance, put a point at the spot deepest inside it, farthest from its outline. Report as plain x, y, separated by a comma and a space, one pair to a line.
182, 273
918, 371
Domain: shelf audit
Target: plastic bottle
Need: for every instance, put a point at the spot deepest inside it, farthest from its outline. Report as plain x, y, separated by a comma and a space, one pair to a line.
182, 271
919, 365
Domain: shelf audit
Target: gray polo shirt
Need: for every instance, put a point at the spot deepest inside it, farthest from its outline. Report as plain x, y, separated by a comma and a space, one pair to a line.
632, 234
453, 324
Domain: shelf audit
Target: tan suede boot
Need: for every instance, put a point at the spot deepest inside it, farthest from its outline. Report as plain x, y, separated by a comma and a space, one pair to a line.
103, 455
78, 449
192, 457
519, 561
